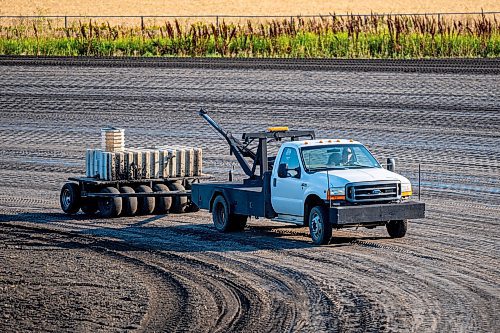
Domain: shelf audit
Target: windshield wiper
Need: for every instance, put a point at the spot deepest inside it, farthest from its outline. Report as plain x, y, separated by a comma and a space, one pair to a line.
359, 166
328, 168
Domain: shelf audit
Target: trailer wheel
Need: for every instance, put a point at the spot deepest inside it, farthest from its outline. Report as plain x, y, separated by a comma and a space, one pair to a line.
397, 228
319, 226
179, 203
130, 203
192, 208
89, 206
70, 198
163, 204
111, 206
146, 204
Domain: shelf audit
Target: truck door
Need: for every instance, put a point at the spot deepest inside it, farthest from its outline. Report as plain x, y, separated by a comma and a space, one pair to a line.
287, 194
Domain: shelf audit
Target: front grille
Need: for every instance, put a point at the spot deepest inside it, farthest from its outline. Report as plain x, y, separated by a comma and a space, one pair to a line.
373, 192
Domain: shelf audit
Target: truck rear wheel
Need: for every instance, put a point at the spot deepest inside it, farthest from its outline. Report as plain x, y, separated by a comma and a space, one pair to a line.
146, 204
110, 206
130, 203
163, 204
179, 203
319, 226
223, 220
239, 222
397, 228
70, 198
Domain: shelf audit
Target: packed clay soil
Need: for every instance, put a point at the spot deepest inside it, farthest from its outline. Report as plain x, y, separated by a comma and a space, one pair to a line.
176, 273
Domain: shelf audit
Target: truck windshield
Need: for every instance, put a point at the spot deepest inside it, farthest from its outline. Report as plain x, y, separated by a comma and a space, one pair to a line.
349, 156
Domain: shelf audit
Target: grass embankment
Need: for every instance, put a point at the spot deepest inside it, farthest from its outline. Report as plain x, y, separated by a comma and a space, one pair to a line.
345, 37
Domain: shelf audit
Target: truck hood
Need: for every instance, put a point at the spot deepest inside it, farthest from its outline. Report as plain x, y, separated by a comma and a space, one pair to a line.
339, 178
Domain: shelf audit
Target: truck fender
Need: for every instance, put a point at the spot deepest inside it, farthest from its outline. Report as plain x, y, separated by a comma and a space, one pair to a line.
311, 201
222, 192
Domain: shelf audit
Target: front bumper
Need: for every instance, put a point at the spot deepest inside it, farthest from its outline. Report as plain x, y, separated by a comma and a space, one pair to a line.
369, 214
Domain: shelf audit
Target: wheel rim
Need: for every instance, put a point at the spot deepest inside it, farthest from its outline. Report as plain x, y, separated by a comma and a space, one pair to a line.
316, 226
66, 198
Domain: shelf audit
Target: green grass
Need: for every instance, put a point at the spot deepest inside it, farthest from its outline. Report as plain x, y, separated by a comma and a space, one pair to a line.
354, 37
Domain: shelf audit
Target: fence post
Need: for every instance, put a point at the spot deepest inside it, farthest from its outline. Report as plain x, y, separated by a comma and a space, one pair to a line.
65, 22
217, 23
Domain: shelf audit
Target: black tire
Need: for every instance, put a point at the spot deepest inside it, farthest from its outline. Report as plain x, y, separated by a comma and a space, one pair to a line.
163, 204
223, 220
146, 205
239, 222
179, 203
129, 204
397, 228
319, 226
69, 198
89, 206
192, 208
110, 207
220, 214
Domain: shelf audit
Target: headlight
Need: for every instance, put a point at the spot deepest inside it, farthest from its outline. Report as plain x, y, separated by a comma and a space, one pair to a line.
406, 190
335, 193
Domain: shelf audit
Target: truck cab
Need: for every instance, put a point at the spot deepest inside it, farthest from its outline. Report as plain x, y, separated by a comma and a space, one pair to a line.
333, 172
323, 184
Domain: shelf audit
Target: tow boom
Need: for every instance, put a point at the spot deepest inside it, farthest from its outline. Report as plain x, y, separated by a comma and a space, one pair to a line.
259, 158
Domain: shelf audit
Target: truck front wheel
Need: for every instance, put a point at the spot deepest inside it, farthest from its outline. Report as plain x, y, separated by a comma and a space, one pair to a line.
397, 228
223, 220
319, 226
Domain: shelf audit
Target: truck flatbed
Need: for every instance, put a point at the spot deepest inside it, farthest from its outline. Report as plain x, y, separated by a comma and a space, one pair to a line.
245, 199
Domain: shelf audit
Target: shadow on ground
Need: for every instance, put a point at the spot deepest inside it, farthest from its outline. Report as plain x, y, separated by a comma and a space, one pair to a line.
185, 237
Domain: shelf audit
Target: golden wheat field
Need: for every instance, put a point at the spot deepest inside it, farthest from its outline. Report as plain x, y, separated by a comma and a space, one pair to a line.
238, 7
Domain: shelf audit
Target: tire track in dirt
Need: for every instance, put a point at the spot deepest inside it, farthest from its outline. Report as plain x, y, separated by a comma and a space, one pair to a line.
442, 277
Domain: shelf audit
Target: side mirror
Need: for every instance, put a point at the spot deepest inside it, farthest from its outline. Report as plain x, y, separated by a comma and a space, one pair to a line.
391, 164
297, 170
282, 170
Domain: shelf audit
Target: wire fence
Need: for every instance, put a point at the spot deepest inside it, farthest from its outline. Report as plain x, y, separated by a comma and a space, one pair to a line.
216, 18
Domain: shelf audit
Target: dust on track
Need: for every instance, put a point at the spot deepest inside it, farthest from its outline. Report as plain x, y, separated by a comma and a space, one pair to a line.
176, 273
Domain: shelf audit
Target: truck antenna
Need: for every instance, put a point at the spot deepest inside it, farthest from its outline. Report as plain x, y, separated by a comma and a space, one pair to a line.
329, 195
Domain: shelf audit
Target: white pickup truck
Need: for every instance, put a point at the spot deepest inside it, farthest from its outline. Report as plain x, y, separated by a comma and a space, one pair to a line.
322, 184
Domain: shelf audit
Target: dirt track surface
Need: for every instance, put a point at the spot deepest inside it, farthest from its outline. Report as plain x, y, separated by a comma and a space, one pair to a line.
176, 273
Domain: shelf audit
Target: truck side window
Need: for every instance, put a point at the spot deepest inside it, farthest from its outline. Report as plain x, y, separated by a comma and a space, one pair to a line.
290, 158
